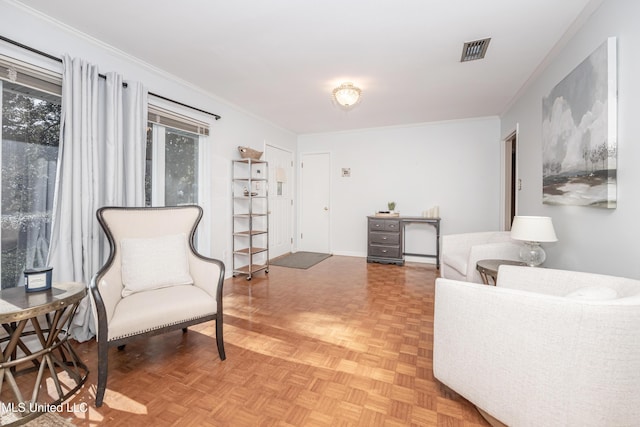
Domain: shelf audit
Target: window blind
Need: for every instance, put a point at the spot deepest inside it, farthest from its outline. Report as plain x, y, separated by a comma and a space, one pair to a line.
163, 117
16, 71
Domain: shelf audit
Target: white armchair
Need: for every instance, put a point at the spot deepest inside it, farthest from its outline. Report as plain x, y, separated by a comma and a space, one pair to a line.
461, 252
544, 347
154, 280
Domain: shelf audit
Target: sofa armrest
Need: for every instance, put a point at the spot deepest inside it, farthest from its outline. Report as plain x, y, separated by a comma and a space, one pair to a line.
531, 359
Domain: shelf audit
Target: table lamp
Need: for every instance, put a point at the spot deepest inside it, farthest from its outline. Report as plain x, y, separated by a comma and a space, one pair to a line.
532, 230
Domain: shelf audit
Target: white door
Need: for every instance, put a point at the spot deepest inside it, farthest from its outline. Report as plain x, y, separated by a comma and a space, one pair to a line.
314, 202
280, 200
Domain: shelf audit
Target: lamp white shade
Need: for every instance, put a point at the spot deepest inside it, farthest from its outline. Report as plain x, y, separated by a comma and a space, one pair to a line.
533, 229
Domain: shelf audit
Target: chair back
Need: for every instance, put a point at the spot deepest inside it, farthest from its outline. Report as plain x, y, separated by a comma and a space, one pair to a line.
130, 223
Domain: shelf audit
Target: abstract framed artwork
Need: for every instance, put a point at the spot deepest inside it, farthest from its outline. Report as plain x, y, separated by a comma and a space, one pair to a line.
579, 134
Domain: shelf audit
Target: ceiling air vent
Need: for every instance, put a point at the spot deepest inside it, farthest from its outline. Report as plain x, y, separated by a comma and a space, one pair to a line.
474, 50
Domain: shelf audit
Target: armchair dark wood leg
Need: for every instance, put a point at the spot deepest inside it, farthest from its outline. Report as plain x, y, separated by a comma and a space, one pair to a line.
219, 340
103, 360
184, 330
121, 347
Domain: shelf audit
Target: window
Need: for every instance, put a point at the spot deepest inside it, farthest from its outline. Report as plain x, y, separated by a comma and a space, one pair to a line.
30, 134
171, 177
176, 172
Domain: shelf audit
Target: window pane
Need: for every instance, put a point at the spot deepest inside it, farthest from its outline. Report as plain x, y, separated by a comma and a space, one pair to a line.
171, 176
181, 168
30, 134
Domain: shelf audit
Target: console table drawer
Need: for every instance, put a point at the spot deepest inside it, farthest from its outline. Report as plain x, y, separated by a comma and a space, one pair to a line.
382, 238
385, 240
384, 225
385, 251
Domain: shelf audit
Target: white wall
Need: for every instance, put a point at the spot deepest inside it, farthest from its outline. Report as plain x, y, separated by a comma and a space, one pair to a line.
235, 128
590, 239
454, 165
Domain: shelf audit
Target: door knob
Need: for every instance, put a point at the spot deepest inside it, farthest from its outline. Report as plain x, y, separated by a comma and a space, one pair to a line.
326, 208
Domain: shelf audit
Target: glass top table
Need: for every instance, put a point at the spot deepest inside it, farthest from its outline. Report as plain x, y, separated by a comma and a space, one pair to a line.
35, 355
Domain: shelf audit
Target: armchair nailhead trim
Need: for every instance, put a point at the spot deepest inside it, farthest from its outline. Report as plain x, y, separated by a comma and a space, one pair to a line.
132, 334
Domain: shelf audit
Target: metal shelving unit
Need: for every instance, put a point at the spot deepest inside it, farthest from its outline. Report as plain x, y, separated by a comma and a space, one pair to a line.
250, 217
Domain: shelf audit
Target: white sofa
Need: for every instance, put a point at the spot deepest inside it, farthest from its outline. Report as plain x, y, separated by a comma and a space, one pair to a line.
461, 252
542, 348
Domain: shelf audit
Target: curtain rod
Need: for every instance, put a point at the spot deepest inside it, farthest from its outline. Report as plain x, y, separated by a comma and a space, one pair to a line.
55, 58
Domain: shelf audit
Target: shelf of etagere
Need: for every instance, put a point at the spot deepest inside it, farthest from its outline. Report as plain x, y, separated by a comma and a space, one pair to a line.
249, 251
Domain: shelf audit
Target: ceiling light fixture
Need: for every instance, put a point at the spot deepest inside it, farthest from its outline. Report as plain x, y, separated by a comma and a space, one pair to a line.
347, 95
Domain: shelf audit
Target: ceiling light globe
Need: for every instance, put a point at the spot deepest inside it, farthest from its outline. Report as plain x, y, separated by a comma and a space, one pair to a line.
347, 95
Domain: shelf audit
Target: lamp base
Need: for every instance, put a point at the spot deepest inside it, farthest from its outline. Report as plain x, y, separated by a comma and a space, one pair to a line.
532, 253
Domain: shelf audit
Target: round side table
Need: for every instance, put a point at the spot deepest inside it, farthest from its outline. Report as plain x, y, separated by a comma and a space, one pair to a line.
488, 268
42, 349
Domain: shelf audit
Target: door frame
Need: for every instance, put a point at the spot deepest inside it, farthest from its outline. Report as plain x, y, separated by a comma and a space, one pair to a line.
510, 183
301, 197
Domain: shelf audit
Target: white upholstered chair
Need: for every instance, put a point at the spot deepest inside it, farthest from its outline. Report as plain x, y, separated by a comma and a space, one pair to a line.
461, 252
154, 280
542, 348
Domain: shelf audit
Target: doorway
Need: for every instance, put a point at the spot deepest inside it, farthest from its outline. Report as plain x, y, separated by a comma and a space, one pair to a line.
281, 187
511, 186
315, 184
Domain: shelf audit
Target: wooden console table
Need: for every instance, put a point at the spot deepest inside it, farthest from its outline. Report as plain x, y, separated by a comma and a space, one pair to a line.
386, 238
435, 222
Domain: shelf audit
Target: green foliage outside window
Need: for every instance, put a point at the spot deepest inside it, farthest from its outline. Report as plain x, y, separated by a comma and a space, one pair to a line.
30, 135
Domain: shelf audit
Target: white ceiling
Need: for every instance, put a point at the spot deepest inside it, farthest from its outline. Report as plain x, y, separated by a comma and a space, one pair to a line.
280, 59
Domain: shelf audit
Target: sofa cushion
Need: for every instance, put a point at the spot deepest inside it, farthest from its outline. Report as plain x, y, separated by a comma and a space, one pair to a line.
593, 293
154, 263
147, 311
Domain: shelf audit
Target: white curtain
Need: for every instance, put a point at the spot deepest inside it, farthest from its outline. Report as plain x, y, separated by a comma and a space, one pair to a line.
37, 227
125, 142
101, 160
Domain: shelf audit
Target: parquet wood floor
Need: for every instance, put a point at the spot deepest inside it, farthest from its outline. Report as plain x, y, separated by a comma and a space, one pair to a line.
344, 343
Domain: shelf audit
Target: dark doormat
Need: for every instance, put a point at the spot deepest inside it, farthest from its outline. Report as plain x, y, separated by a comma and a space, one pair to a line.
301, 260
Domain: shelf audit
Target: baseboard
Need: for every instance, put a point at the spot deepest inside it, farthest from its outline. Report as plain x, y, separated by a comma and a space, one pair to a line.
351, 254
416, 259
